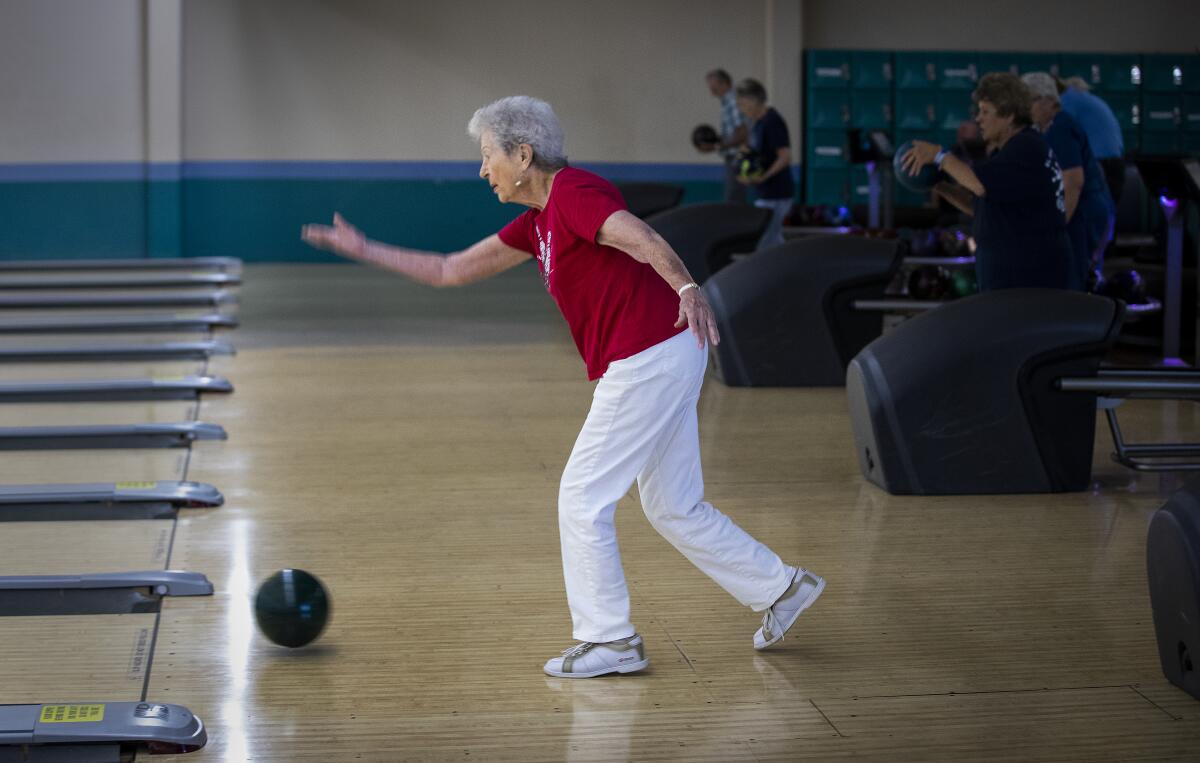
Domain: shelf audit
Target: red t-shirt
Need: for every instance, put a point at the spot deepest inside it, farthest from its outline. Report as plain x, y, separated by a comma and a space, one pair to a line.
615, 306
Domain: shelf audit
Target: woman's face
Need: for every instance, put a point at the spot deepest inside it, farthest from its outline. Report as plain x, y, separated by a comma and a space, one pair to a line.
992, 126
748, 106
500, 169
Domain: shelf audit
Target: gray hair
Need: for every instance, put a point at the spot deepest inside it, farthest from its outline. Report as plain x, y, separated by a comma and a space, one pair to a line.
521, 119
1041, 85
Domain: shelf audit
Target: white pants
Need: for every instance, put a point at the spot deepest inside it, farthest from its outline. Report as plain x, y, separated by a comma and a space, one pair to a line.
642, 425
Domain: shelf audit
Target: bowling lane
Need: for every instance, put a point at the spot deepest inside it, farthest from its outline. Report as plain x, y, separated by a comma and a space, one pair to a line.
96, 658
64, 548
116, 465
15, 372
67, 414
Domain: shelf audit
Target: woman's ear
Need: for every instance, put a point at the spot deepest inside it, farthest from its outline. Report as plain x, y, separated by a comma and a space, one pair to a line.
525, 155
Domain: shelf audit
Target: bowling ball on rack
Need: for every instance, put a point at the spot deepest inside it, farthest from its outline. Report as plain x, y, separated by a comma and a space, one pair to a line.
291, 608
1126, 285
953, 242
963, 283
929, 282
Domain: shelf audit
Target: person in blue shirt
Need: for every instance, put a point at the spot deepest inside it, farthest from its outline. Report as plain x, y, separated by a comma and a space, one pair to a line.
771, 150
1016, 196
1090, 209
1103, 131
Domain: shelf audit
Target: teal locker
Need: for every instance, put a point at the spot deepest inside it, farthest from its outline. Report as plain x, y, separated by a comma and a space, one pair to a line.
1122, 72
1160, 112
916, 109
1037, 62
946, 138
860, 187
871, 69
958, 71
1087, 66
1132, 141
828, 68
1125, 107
1163, 73
1159, 143
998, 62
1191, 74
871, 109
1190, 113
827, 186
828, 109
827, 149
916, 70
953, 108
1191, 143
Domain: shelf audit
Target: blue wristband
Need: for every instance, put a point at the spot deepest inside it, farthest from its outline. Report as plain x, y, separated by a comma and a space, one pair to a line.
941, 157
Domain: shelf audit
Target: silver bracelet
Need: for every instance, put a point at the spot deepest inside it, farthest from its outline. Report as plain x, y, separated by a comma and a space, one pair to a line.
686, 286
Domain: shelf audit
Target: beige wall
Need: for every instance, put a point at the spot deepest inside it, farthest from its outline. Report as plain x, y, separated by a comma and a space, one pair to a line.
378, 80
1029, 25
396, 80
71, 81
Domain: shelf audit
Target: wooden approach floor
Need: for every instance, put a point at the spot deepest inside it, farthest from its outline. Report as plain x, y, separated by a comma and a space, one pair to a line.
405, 446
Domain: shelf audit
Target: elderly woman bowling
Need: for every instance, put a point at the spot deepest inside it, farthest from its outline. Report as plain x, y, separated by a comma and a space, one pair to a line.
642, 327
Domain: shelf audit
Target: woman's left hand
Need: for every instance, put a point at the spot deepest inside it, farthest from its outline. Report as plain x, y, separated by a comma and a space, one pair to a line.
695, 312
921, 153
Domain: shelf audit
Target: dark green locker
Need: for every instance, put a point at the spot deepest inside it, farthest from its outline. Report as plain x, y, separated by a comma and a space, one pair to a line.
827, 149
916, 70
1089, 67
1037, 62
1190, 113
916, 109
945, 138
958, 71
953, 108
1191, 143
1159, 143
998, 62
1191, 74
828, 109
871, 69
1160, 112
1122, 72
1163, 73
828, 68
827, 186
1125, 107
871, 109
1132, 141
860, 188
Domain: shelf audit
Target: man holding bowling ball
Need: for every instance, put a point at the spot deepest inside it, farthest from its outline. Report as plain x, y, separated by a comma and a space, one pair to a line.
733, 133
1016, 196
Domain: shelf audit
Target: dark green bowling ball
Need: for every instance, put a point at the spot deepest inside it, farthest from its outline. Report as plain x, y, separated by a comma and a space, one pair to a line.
291, 608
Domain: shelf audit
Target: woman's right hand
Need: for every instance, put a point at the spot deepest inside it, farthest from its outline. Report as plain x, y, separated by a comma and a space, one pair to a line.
341, 238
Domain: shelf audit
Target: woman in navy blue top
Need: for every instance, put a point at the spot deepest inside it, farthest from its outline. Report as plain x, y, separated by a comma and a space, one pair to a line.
1016, 196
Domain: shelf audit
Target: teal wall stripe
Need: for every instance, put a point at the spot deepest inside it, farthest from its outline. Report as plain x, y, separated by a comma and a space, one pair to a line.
258, 220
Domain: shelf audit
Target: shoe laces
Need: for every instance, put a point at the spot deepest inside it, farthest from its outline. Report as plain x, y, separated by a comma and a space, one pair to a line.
579, 649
